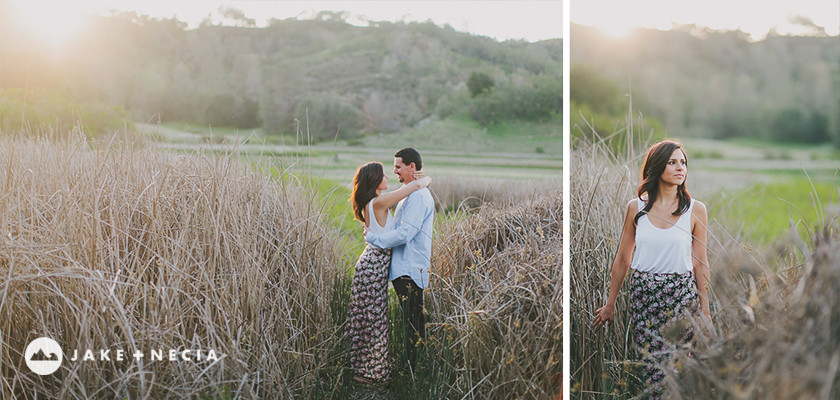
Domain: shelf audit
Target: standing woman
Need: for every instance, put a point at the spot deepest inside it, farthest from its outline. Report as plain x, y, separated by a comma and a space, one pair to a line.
667, 228
367, 316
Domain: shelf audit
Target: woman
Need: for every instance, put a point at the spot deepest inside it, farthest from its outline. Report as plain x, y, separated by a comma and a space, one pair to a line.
667, 228
367, 315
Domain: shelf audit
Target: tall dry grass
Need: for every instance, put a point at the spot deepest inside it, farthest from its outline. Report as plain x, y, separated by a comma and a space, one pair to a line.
118, 248
601, 360
775, 310
453, 193
780, 330
137, 249
496, 302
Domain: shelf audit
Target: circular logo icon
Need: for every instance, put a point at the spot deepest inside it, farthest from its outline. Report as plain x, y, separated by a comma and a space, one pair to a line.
43, 356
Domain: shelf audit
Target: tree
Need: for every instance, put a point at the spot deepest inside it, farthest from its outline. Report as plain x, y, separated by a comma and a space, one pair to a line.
479, 83
590, 87
238, 17
329, 115
794, 125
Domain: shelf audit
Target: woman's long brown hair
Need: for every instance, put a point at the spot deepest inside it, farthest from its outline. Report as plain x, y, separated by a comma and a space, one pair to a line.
367, 179
652, 169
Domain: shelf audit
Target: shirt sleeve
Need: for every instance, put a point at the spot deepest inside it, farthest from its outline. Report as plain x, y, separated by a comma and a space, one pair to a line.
409, 224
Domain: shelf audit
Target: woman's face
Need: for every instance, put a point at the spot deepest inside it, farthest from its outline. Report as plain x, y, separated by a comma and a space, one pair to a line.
675, 169
383, 185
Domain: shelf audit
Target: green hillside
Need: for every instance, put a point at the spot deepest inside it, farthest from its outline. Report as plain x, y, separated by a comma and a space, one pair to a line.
355, 80
714, 84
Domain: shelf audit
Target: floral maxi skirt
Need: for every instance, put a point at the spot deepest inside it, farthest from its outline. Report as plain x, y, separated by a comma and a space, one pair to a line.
657, 299
367, 316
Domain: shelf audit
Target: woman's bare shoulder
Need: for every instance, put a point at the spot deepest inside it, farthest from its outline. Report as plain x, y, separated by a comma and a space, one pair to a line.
632, 207
699, 210
377, 205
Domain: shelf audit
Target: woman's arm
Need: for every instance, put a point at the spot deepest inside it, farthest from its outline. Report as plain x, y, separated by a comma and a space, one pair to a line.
700, 260
621, 264
409, 224
387, 200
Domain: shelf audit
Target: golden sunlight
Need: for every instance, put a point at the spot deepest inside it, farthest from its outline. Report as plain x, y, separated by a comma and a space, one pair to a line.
53, 21
615, 25
615, 31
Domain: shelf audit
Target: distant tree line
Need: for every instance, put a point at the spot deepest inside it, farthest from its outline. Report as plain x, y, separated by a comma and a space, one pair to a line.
601, 111
322, 75
538, 99
705, 83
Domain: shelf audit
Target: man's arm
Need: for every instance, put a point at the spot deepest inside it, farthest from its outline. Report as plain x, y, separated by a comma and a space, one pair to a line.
388, 200
409, 224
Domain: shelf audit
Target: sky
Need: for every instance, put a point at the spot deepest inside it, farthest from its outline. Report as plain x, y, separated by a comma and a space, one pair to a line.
501, 20
755, 17
531, 20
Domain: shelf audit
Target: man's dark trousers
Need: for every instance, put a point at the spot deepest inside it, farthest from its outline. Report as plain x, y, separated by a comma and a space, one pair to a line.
413, 319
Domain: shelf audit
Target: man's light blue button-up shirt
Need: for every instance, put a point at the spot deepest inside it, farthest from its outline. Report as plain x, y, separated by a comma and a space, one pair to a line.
411, 240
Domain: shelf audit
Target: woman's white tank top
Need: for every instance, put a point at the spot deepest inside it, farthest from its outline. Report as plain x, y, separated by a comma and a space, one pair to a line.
374, 225
663, 250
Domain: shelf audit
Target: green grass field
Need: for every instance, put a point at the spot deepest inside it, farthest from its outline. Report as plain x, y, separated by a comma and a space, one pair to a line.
761, 189
450, 148
452, 134
765, 212
462, 133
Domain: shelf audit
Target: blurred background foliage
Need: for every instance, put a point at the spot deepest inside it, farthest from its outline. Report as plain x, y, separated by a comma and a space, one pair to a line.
57, 115
692, 81
383, 77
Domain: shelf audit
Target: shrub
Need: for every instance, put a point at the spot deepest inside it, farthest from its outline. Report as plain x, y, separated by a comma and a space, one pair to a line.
794, 125
328, 116
538, 100
452, 104
479, 83
227, 110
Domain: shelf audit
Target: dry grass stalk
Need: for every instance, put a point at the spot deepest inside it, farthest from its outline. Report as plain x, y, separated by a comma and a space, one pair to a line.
140, 250
780, 337
119, 248
602, 359
458, 193
498, 298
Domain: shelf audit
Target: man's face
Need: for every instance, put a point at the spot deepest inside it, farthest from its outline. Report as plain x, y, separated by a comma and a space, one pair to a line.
404, 172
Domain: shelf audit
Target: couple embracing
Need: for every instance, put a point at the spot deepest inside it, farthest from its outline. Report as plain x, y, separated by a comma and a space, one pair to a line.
399, 249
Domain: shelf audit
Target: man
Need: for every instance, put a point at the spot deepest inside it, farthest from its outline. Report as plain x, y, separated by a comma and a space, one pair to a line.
411, 241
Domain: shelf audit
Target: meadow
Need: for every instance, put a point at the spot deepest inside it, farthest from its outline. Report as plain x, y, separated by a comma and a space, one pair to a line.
217, 216
452, 148
773, 255
134, 244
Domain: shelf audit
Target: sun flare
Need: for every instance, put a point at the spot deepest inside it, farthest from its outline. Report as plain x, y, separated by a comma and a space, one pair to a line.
53, 21
615, 31
615, 26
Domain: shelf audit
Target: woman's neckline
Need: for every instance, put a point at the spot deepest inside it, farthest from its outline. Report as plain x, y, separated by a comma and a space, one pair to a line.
663, 229
647, 214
